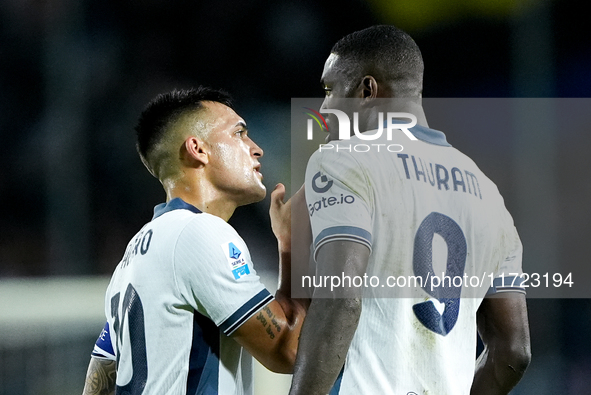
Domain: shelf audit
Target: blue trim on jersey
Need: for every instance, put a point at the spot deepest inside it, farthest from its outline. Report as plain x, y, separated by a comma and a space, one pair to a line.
174, 204
204, 359
349, 233
506, 284
344, 230
426, 134
103, 347
247, 310
337, 384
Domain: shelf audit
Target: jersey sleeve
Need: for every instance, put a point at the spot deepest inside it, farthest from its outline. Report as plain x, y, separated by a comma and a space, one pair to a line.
338, 199
215, 275
509, 276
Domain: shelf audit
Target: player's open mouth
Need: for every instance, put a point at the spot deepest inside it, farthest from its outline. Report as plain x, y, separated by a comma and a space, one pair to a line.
257, 171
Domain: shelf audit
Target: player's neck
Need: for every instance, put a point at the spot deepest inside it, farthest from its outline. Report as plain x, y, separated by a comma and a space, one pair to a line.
206, 198
402, 105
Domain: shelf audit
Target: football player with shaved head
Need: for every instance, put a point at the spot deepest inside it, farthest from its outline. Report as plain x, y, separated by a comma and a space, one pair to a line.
398, 214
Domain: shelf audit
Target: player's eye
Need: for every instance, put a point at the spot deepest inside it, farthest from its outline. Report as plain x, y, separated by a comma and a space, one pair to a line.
241, 132
327, 91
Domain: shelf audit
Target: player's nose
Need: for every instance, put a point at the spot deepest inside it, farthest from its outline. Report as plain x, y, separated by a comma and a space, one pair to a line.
256, 150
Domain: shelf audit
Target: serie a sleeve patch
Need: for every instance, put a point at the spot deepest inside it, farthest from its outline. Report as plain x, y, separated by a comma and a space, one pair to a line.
236, 259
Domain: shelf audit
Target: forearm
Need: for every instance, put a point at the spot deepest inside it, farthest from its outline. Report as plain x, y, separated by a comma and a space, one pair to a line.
100, 377
284, 285
301, 240
294, 309
324, 343
496, 374
272, 334
290, 325
285, 276
504, 329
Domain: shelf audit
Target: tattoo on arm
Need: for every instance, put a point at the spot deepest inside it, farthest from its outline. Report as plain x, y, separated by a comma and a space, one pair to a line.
100, 378
269, 322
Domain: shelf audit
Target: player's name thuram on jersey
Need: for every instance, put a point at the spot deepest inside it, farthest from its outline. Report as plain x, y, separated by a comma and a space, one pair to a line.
440, 176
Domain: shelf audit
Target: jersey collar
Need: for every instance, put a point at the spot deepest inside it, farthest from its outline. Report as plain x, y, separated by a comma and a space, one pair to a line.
174, 204
425, 134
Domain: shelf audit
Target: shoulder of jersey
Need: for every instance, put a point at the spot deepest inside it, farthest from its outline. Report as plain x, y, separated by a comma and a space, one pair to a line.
204, 218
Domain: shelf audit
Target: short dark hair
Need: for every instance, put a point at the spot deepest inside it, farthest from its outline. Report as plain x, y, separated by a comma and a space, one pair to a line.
166, 108
385, 50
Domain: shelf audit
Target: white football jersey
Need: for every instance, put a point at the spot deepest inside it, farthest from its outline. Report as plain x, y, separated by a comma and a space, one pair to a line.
440, 239
185, 283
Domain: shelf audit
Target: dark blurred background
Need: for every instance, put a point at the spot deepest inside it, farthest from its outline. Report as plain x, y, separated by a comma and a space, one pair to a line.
74, 75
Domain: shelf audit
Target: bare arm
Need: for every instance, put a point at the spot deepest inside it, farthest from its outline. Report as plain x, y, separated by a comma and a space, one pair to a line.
272, 334
504, 329
100, 377
301, 240
331, 322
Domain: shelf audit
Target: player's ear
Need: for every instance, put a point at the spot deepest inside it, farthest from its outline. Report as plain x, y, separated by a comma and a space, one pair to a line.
194, 152
368, 88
